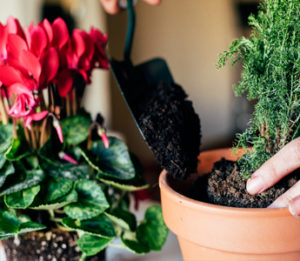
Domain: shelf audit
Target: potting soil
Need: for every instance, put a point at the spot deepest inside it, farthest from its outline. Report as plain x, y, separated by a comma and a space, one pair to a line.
172, 129
226, 186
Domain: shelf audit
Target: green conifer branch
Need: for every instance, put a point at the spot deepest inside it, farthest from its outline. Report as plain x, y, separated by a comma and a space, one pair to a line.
271, 72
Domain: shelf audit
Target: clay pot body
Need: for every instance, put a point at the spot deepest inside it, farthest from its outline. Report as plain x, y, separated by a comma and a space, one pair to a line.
211, 232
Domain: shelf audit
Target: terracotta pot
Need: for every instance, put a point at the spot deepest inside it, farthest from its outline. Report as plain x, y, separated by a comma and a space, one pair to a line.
211, 232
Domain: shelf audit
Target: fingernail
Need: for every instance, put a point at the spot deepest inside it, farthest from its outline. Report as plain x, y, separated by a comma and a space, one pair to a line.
255, 185
294, 207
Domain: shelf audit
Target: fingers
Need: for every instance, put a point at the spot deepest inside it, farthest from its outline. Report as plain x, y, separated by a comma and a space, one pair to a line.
110, 6
290, 199
286, 198
280, 165
294, 206
153, 2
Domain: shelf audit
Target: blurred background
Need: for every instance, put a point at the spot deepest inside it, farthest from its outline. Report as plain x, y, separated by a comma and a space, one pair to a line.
190, 35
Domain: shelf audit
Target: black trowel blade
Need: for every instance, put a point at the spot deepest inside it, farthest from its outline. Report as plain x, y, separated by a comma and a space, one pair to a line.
137, 83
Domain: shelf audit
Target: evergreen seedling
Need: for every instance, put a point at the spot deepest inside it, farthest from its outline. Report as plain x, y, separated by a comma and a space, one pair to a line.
270, 77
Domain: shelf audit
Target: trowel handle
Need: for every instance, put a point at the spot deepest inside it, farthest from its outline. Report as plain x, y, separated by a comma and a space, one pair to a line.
130, 30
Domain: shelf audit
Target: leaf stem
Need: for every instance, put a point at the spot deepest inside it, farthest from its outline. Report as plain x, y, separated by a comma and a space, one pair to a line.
43, 136
68, 106
117, 245
74, 101
4, 116
33, 138
27, 137
15, 133
83, 257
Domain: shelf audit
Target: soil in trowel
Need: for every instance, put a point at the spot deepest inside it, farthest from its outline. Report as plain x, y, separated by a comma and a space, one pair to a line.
172, 130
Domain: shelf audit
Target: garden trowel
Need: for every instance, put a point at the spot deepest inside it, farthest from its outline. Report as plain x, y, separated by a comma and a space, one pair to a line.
140, 86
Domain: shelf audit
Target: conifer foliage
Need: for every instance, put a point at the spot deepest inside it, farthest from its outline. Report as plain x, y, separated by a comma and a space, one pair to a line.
270, 77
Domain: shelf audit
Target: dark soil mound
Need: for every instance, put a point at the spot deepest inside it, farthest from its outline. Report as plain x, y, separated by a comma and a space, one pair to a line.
172, 129
226, 186
54, 245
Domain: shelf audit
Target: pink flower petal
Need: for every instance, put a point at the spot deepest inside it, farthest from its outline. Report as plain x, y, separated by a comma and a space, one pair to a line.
9, 75
98, 37
34, 117
50, 65
31, 63
64, 83
24, 103
14, 27
15, 45
66, 157
3, 42
60, 33
139, 195
28, 121
18, 109
71, 57
39, 40
78, 43
19, 88
48, 29
27, 32
105, 140
100, 40
39, 115
84, 75
86, 59
58, 129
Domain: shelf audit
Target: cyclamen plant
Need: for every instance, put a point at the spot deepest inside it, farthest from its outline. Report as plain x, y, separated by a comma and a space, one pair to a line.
54, 158
271, 63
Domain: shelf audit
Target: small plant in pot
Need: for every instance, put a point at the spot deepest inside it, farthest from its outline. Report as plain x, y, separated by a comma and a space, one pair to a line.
229, 223
65, 185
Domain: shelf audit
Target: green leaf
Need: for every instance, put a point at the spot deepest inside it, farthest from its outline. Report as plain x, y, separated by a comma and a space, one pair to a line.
24, 228
66, 171
5, 170
30, 227
135, 246
151, 234
59, 203
123, 218
75, 129
152, 231
71, 171
17, 150
99, 226
2, 160
32, 161
32, 178
21, 199
6, 137
113, 162
121, 186
57, 188
91, 201
9, 223
91, 245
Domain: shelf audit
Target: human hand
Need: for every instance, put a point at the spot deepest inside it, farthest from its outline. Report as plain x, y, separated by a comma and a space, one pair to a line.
280, 165
112, 6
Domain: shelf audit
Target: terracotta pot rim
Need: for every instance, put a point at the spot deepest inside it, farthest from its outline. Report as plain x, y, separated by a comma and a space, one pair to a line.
192, 203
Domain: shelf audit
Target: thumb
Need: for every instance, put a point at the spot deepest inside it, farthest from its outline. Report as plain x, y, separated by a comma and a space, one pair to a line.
294, 206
